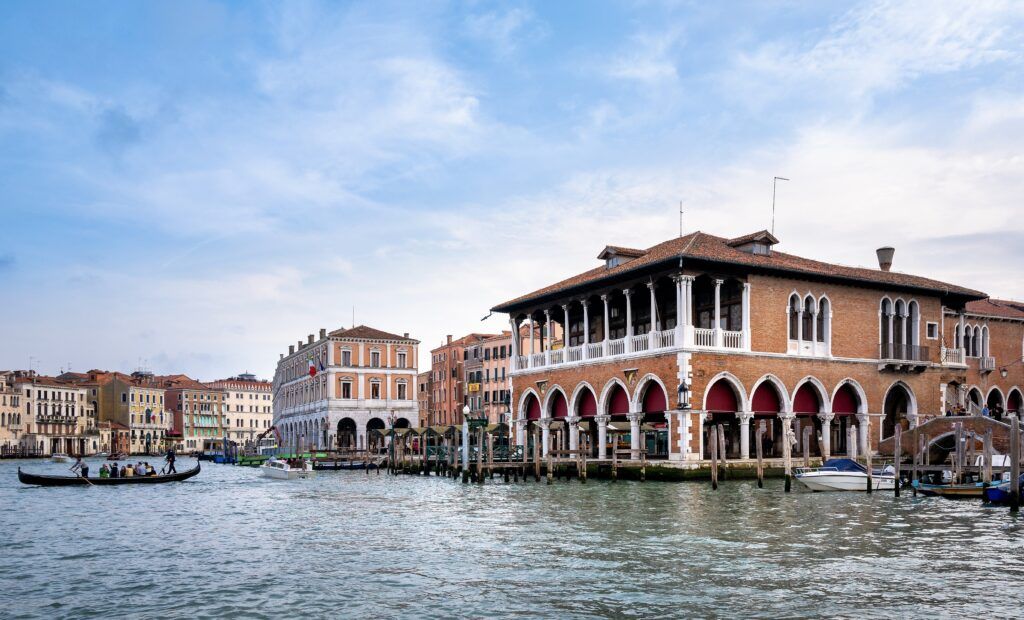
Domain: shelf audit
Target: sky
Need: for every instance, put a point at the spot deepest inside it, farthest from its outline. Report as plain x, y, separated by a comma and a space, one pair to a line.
192, 186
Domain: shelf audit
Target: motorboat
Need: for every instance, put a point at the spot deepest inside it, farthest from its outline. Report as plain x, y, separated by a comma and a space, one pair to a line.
845, 475
59, 457
285, 470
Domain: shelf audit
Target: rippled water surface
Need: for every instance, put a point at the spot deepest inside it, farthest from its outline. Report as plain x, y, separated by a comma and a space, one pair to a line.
230, 543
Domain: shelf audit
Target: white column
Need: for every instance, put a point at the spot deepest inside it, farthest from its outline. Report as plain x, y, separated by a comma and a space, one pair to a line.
960, 341
547, 340
746, 316
687, 310
863, 420
679, 309
744, 417
906, 339
604, 344
718, 313
800, 326
530, 358
826, 435
565, 332
634, 434
515, 343
574, 432
586, 329
602, 436
521, 432
545, 435
814, 328
851, 442
654, 316
629, 318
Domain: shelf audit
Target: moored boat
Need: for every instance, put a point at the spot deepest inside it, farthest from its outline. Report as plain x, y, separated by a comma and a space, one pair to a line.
844, 475
967, 490
67, 481
285, 470
1000, 493
59, 457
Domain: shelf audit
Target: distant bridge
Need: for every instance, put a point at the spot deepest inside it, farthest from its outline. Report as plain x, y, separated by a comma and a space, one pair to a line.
940, 432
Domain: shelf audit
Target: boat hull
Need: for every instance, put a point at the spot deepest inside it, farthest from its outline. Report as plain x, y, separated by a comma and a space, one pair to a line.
954, 491
289, 473
70, 481
60, 458
844, 481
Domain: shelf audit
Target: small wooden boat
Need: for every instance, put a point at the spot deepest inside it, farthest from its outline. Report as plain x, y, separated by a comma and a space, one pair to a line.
967, 490
117, 456
68, 481
1000, 493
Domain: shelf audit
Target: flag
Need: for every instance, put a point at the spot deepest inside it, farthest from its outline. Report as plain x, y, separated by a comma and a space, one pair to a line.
312, 366
322, 365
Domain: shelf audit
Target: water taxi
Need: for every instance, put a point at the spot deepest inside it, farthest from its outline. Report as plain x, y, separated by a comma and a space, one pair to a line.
283, 470
845, 475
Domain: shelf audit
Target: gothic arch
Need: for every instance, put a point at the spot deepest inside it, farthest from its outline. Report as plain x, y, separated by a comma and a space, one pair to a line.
787, 404
862, 397
819, 387
521, 407
577, 394
602, 403
636, 402
737, 386
549, 400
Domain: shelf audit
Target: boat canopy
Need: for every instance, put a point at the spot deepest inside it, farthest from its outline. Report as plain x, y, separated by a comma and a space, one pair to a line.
845, 465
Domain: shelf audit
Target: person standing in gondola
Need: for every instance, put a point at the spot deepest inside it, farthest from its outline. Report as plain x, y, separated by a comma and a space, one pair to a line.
80, 468
170, 461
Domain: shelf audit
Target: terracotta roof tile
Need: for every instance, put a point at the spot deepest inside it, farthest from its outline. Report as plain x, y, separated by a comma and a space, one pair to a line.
363, 332
997, 307
702, 246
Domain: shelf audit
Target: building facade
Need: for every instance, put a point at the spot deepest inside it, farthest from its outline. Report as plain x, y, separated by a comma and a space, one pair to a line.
700, 331
199, 421
249, 409
991, 336
487, 377
330, 391
11, 425
57, 416
135, 402
448, 378
423, 391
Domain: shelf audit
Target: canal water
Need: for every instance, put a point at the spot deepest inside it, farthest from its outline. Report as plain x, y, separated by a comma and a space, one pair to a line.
229, 543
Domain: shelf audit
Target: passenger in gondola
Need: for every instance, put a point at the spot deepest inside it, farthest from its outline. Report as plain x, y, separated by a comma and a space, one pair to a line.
149, 470
114, 471
104, 471
127, 471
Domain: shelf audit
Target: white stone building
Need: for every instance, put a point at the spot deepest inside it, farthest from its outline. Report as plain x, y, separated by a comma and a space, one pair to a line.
363, 379
248, 409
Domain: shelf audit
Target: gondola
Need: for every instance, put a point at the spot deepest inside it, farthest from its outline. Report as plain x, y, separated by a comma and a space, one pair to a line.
68, 481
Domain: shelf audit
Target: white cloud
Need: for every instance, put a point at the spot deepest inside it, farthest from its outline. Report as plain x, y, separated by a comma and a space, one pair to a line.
505, 30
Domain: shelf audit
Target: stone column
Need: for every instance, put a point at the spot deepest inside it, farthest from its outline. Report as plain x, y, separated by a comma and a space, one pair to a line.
745, 417
545, 435
960, 341
718, 313
586, 323
565, 332
826, 434
574, 432
863, 421
515, 344
629, 319
814, 328
687, 310
529, 359
634, 434
604, 343
547, 339
654, 317
602, 435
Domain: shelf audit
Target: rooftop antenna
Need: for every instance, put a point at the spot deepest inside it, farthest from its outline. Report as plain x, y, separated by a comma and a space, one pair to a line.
353, 315
774, 181
680, 219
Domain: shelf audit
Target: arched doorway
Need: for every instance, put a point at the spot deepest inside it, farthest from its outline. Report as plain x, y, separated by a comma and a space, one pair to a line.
346, 439
654, 423
618, 407
846, 405
373, 438
996, 406
721, 403
402, 423
766, 403
974, 400
586, 408
898, 403
807, 403
559, 411
531, 409
1014, 402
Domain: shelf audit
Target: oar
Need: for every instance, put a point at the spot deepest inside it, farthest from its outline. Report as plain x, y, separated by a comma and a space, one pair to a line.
72, 468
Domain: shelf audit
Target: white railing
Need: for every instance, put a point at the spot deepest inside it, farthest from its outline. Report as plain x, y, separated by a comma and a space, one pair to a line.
594, 349
987, 363
617, 347
574, 354
640, 343
536, 359
732, 340
665, 338
953, 356
703, 337
522, 361
558, 356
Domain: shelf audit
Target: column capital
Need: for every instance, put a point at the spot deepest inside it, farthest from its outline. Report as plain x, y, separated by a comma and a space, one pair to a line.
522, 422
719, 282
685, 277
573, 420
545, 422
602, 420
745, 416
565, 306
862, 417
635, 416
604, 297
826, 416
650, 285
547, 313
627, 292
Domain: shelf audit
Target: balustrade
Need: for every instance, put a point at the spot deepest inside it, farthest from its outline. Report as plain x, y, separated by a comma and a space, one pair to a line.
617, 347
703, 337
640, 343
732, 340
953, 356
987, 363
665, 339
574, 354
594, 349
558, 356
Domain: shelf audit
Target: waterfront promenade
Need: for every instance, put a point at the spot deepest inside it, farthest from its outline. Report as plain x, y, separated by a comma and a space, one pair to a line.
230, 544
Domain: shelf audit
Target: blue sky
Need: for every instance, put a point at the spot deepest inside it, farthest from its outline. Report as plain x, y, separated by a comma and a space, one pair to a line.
199, 184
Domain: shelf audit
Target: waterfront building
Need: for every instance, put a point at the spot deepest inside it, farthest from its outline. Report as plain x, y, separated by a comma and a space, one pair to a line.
56, 415
133, 401
487, 379
199, 421
249, 409
448, 378
742, 334
11, 425
423, 385
990, 335
329, 391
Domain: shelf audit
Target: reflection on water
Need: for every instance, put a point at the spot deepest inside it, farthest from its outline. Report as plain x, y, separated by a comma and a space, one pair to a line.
230, 543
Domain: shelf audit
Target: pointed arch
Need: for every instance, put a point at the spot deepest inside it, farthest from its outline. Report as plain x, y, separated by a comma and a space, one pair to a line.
988, 397
584, 400
862, 397
641, 390
785, 404
556, 405
812, 383
1014, 399
524, 398
603, 405
734, 383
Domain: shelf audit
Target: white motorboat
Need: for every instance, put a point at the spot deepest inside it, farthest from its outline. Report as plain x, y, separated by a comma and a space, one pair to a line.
282, 470
845, 475
59, 457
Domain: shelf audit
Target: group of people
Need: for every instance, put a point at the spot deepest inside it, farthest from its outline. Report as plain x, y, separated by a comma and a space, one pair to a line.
996, 412
142, 468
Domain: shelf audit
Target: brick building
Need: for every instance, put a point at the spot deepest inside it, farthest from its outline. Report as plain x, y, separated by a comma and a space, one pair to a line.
197, 411
741, 333
448, 378
487, 378
991, 336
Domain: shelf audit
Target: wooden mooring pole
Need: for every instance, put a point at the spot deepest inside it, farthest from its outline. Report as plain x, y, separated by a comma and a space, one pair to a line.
806, 449
897, 451
536, 456
721, 451
1015, 454
760, 454
867, 461
713, 446
787, 453
986, 474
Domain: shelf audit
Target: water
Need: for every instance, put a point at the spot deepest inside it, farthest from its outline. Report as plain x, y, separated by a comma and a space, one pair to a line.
229, 543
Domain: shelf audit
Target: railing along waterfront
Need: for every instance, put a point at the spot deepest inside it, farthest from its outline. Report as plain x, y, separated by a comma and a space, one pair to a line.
704, 337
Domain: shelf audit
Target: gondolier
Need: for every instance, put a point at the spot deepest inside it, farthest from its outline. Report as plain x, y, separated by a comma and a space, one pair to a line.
169, 459
80, 468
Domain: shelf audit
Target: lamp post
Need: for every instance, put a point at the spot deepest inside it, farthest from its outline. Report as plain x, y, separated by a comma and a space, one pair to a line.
465, 438
683, 394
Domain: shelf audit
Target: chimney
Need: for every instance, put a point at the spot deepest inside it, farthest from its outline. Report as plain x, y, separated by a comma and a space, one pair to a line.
449, 338
310, 338
405, 335
291, 349
282, 356
323, 333
298, 345
885, 257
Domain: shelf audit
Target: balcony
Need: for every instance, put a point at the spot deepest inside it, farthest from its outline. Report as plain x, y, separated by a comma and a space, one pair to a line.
898, 356
953, 357
986, 364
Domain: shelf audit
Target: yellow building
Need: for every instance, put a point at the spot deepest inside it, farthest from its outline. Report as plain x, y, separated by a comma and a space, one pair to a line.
135, 401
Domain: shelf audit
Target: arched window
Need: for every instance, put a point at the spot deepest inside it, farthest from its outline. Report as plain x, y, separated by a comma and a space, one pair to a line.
885, 322
824, 320
807, 320
794, 317
899, 327
968, 340
976, 341
984, 341
913, 324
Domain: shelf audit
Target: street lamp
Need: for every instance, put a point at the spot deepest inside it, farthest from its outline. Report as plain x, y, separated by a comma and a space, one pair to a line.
683, 393
465, 412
